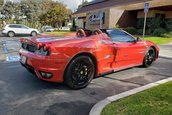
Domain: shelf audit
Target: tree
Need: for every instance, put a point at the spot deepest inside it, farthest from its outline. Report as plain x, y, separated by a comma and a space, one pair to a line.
57, 14
9, 10
1, 3
84, 2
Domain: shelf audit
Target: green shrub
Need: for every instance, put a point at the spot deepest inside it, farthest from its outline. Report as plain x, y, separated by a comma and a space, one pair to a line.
131, 30
155, 26
167, 35
169, 25
140, 23
116, 26
140, 31
73, 29
158, 32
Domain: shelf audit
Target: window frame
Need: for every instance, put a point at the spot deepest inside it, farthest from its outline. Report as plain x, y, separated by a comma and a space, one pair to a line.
134, 38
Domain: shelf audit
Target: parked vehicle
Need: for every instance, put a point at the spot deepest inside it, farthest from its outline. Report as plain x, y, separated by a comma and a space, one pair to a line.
47, 29
64, 28
19, 29
77, 60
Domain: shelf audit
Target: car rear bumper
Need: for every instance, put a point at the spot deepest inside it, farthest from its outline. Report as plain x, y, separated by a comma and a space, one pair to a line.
4, 32
44, 65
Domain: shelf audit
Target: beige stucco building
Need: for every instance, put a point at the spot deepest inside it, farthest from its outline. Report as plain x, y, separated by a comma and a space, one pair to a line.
124, 13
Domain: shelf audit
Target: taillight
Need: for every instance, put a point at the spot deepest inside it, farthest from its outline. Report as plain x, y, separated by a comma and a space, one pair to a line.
43, 49
39, 46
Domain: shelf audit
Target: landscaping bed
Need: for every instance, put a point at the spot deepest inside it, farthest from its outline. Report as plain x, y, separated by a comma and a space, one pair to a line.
155, 101
58, 33
157, 40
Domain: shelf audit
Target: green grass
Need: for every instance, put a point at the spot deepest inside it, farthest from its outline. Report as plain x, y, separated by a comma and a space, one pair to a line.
58, 33
158, 40
155, 101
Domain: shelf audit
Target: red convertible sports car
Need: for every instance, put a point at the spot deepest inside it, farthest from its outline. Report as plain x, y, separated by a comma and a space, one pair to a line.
77, 60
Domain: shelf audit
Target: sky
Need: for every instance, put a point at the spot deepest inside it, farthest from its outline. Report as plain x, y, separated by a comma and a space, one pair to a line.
72, 4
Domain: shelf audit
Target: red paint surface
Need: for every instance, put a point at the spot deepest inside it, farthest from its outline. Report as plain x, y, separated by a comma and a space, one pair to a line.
109, 56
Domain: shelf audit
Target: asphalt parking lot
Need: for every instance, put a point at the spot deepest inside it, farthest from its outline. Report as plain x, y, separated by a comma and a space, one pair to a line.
24, 94
9, 49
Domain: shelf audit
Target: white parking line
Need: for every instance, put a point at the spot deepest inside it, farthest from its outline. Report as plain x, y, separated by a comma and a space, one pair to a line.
14, 66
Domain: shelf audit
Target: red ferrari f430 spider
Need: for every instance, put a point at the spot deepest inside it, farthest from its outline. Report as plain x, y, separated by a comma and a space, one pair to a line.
77, 60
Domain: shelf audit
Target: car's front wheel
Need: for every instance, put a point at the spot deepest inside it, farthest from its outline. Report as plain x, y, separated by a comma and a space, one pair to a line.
33, 33
149, 57
11, 34
80, 72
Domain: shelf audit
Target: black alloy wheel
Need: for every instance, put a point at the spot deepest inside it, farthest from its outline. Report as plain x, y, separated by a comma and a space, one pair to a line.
80, 72
149, 57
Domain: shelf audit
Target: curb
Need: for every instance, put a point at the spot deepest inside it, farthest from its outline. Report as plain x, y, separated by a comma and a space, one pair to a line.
165, 57
97, 108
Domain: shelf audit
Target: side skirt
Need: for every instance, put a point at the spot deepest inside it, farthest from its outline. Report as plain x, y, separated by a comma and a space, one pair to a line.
117, 69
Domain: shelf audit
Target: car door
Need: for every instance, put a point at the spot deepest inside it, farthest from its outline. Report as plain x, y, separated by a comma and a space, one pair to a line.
129, 52
24, 29
15, 28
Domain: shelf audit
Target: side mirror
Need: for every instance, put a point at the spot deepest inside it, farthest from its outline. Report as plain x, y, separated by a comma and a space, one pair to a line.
138, 39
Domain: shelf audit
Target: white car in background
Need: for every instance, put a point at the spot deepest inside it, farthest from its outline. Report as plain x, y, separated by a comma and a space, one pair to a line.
19, 29
64, 28
47, 29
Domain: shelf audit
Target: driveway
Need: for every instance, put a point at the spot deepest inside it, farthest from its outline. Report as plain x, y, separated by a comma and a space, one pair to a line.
24, 94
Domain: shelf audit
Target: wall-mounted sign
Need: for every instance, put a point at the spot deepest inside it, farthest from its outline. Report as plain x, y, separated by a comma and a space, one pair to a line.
95, 18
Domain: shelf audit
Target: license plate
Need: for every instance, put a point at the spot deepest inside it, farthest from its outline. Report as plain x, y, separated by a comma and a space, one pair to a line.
23, 59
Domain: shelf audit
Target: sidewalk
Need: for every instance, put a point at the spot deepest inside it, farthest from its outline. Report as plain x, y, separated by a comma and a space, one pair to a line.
97, 108
166, 50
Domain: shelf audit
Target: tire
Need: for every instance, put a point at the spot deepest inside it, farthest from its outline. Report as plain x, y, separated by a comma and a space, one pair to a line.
33, 33
79, 72
11, 34
149, 57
